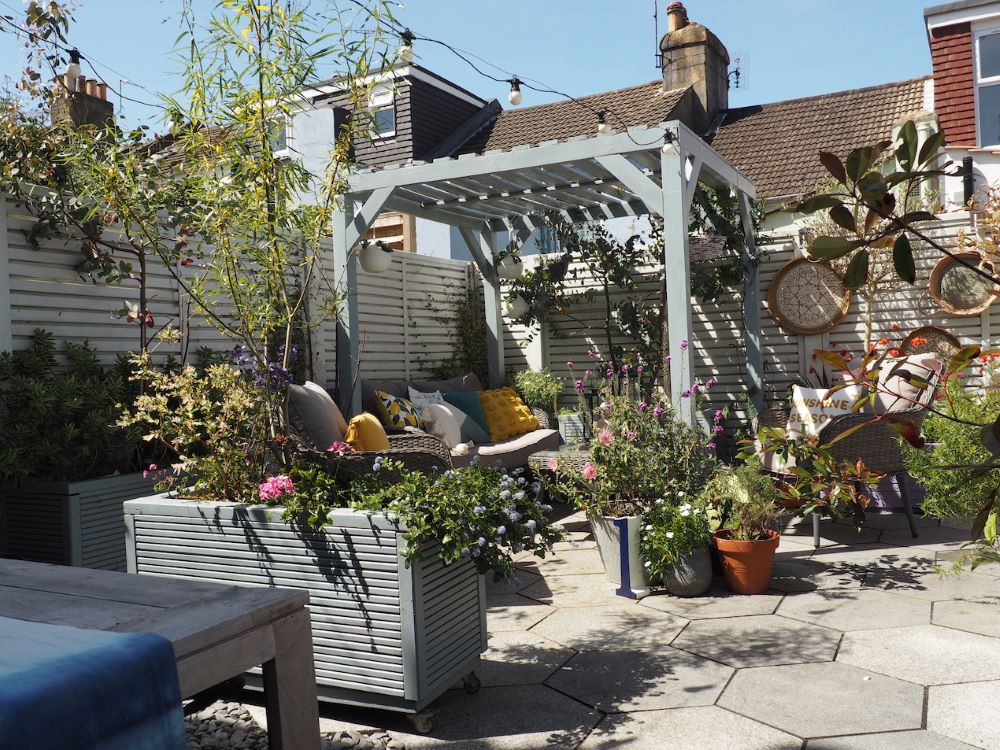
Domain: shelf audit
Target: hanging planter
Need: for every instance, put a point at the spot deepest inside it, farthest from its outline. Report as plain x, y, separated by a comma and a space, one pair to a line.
510, 266
957, 289
375, 258
517, 307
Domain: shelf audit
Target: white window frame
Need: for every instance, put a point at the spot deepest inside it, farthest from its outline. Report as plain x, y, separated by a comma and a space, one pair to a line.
978, 81
382, 97
286, 152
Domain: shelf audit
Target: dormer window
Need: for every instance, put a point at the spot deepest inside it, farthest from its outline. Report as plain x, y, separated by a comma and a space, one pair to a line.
987, 72
383, 111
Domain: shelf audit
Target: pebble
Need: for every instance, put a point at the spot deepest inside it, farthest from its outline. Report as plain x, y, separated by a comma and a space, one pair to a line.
229, 726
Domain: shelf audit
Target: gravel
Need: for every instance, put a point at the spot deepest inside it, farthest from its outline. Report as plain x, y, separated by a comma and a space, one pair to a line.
230, 726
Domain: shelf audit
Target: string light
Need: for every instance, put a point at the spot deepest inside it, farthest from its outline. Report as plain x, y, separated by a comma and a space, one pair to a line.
669, 143
602, 123
406, 47
515, 97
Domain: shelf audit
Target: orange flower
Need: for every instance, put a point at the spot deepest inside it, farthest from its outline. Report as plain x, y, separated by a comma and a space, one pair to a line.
894, 352
883, 342
896, 326
919, 341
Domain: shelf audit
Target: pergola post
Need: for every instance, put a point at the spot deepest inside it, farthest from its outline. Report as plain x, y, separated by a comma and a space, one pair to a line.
751, 307
482, 245
677, 268
345, 268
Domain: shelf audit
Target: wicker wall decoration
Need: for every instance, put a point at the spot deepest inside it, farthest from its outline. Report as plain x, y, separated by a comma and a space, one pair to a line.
959, 290
807, 297
931, 339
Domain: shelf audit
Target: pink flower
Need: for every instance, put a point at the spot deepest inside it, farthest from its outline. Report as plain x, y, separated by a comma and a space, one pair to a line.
640, 369
579, 386
711, 446
686, 393
718, 429
711, 382
624, 368
552, 464
569, 364
610, 372
339, 447
643, 406
589, 472
589, 373
630, 435
658, 411
152, 468
605, 438
274, 487
684, 344
718, 415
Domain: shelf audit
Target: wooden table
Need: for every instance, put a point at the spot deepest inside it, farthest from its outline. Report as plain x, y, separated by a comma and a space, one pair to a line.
217, 631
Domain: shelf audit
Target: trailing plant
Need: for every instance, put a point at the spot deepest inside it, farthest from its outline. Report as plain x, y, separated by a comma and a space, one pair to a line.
539, 388
746, 500
672, 527
469, 338
59, 413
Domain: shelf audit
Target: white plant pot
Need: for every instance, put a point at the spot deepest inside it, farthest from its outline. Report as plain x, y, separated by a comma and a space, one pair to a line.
510, 267
375, 258
517, 307
618, 545
571, 428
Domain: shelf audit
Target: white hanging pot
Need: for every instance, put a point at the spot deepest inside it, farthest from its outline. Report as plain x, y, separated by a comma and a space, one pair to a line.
511, 266
375, 258
517, 307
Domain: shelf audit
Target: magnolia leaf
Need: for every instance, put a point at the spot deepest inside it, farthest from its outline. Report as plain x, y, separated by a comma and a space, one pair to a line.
847, 433
931, 147
908, 431
829, 248
858, 162
834, 166
832, 359
873, 186
817, 203
857, 271
979, 523
963, 359
906, 154
916, 216
842, 216
902, 259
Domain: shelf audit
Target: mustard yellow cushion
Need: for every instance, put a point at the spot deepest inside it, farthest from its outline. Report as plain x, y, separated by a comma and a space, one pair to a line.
366, 433
506, 414
396, 412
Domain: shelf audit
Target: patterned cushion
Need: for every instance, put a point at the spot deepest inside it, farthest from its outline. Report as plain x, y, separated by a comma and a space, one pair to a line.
397, 412
421, 399
506, 414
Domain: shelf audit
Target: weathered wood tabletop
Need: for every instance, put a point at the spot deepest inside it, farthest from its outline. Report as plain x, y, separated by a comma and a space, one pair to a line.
217, 631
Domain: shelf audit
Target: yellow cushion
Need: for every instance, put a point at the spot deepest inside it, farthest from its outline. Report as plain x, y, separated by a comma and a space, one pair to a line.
366, 433
396, 412
506, 414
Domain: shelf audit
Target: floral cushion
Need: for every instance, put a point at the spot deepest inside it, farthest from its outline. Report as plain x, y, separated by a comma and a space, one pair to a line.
397, 412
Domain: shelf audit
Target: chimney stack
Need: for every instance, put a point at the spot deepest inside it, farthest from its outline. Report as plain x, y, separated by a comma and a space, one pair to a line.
692, 56
80, 100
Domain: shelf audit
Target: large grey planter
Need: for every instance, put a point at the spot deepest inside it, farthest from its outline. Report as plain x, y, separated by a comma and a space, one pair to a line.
69, 523
384, 635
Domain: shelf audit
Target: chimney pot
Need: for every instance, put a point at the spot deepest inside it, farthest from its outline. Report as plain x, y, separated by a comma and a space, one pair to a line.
102, 91
91, 87
677, 17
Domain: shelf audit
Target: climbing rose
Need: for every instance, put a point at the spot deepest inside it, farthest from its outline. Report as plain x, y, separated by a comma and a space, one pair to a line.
552, 464
605, 438
589, 472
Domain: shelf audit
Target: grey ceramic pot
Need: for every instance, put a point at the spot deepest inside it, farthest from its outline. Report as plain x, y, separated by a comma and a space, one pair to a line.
691, 576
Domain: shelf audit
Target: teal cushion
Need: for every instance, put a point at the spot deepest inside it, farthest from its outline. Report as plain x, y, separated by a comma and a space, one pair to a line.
469, 429
468, 401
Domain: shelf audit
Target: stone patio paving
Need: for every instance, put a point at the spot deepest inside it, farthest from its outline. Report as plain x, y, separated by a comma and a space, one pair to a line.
859, 645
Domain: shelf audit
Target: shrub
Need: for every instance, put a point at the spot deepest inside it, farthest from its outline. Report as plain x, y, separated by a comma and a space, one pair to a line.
745, 498
670, 529
539, 389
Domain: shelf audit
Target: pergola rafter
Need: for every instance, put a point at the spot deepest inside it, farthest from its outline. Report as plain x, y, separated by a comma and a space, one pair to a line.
623, 174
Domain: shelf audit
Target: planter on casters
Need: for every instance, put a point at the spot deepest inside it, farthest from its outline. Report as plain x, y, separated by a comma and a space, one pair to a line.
69, 523
618, 545
386, 635
746, 565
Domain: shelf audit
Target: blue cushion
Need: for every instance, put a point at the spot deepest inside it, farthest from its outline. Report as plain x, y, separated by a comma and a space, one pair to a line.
468, 401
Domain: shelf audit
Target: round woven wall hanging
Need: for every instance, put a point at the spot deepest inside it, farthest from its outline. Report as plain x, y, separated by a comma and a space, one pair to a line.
959, 290
931, 339
806, 297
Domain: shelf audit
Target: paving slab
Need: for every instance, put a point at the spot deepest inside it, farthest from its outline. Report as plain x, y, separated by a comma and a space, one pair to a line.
521, 580
502, 718
717, 602
967, 713
566, 562
916, 740
707, 727
791, 699
934, 538
927, 654
974, 617
620, 627
894, 520
808, 575
758, 641
575, 591
518, 658
641, 680
830, 533
960, 560
514, 612
866, 558
856, 610
935, 586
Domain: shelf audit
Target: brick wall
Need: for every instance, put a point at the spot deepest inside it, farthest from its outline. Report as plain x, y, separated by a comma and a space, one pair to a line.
954, 95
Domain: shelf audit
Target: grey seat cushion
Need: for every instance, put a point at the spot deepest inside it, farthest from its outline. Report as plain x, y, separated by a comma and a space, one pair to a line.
400, 388
314, 415
514, 452
369, 402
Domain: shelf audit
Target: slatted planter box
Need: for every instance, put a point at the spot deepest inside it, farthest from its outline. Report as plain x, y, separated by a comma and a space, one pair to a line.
384, 635
69, 523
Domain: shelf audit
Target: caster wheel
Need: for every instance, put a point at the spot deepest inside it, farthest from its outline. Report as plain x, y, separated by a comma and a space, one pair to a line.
421, 722
471, 683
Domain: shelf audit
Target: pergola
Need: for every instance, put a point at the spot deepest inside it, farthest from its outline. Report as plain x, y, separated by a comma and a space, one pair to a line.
583, 179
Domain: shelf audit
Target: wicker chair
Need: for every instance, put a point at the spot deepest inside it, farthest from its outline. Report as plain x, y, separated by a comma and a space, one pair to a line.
876, 444
416, 451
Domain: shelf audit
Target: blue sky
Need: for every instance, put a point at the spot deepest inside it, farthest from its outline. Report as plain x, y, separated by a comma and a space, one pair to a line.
790, 48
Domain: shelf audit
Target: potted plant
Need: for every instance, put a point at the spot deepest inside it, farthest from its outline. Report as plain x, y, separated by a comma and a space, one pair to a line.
540, 389
746, 500
572, 428
675, 542
65, 466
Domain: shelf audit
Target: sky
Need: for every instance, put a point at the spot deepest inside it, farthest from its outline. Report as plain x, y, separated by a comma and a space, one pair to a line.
788, 48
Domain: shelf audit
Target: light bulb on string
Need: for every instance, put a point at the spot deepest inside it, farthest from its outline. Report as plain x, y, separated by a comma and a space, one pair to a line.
406, 47
602, 123
515, 97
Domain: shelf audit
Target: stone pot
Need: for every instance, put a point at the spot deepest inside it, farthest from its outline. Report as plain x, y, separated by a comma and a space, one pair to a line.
691, 575
746, 565
571, 428
618, 545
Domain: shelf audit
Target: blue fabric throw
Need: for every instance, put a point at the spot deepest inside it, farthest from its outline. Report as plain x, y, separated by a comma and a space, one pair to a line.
70, 689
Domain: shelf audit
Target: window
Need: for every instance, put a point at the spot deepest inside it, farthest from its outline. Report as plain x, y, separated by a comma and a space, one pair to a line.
383, 112
987, 71
280, 136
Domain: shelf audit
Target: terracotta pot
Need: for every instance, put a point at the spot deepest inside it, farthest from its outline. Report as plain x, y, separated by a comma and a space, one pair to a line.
746, 565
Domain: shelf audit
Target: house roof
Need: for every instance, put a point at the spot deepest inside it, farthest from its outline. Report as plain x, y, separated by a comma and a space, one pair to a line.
643, 105
777, 145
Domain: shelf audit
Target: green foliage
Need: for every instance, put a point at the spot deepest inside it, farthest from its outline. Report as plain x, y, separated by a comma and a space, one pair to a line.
539, 389
469, 336
58, 414
485, 515
214, 421
671, 529
745, 498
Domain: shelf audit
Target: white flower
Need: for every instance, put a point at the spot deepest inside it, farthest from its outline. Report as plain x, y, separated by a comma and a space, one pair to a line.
686, 506
647, 563
685, 513
670, 535
680, 493
647, 527
697, 511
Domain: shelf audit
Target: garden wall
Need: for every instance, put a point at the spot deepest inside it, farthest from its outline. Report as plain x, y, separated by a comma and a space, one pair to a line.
406, 314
